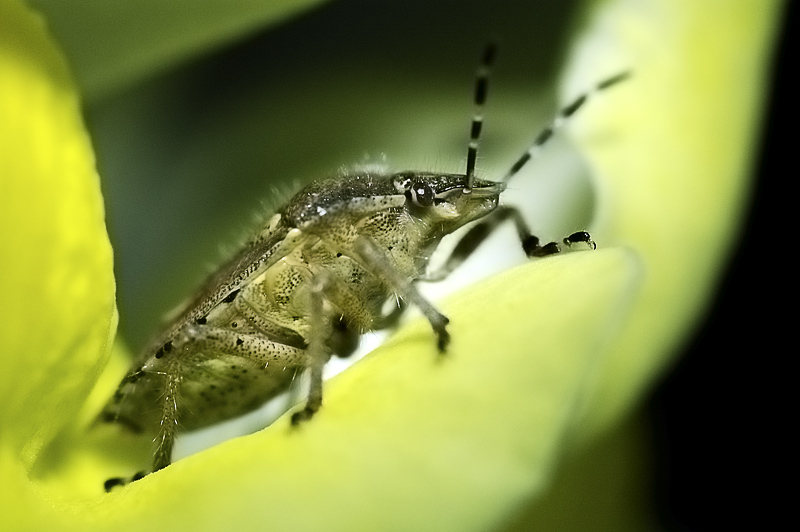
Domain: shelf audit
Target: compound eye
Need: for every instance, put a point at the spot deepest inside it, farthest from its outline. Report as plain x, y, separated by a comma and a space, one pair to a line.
423, 194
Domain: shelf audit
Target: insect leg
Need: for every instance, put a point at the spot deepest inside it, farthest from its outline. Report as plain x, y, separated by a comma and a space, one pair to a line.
481, 231
531, 243
375, 259
269, 327
166, 434
317, 345
470, 242
251, 346
169, 419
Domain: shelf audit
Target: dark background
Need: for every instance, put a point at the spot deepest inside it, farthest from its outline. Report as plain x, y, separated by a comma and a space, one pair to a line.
719, 430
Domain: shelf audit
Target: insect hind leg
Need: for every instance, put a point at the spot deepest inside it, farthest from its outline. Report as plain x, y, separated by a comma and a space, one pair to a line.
169, 420
166, 434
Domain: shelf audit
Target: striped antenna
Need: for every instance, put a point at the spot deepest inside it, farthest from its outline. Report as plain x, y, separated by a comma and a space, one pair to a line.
481, 86
561, 118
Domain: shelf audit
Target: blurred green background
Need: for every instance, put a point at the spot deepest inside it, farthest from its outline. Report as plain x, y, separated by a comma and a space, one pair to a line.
190, 154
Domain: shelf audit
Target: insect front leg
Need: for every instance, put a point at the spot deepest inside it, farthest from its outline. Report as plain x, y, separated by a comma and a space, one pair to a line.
375, 259
481, 231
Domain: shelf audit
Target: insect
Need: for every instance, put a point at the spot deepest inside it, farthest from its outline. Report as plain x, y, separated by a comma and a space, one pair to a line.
311, 282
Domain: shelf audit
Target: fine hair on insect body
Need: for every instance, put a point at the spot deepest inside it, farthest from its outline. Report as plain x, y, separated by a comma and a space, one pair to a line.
313, 279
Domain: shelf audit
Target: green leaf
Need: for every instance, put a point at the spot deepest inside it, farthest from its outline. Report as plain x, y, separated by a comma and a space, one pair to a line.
118, 44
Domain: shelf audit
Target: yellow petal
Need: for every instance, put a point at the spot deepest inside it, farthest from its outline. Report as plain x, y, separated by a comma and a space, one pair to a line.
57, 285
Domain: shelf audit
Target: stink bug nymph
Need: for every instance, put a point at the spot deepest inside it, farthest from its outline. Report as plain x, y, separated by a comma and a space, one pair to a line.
313, 280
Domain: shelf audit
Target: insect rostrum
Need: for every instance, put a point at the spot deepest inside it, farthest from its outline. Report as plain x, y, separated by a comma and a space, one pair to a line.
306, 286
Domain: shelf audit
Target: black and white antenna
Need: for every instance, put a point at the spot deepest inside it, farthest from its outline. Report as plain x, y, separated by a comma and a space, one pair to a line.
481, 86
561, 118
